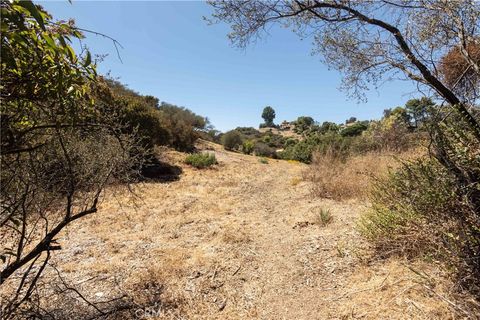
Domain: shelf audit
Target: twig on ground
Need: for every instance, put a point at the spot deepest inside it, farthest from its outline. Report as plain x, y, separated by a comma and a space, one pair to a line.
449, 302
236, 271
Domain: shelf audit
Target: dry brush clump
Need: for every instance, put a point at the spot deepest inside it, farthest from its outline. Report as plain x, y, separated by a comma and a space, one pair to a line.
342, 178
429, 207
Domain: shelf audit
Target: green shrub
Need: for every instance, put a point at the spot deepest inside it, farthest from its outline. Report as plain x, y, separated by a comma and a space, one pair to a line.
302, 151
355, 129
303, 124
201, 160
141, 117
182, 124
248, 146
290, 142
231, 140
158, 124
405, 201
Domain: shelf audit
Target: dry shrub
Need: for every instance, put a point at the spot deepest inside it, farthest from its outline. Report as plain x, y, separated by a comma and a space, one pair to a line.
429, 207
342, 178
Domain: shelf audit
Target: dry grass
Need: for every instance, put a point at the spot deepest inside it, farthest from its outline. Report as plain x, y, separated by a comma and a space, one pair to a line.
340, 179
241, 242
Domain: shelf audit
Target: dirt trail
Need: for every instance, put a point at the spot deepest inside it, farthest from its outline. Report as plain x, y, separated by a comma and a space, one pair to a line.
243, 240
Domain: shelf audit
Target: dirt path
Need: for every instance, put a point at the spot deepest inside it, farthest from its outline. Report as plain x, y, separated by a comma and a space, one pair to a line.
242, 240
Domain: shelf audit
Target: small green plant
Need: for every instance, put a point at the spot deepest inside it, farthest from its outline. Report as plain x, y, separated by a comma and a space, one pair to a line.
248, 146
263, 160
323, 217
201, 160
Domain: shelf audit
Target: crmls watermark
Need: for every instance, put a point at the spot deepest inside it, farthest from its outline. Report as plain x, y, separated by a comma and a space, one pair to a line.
149, 312
155, 311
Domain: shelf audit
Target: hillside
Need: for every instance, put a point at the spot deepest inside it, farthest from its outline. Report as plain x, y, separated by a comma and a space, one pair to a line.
285, 133
242, 239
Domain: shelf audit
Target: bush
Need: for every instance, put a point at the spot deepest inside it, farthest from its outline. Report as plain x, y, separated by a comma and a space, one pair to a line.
400, 205
182, 124
201, 160
290, 142
62, 145
430, 206
248, 146
158, 124
263, 150
355, 129
301, 151
146, 120
231, 140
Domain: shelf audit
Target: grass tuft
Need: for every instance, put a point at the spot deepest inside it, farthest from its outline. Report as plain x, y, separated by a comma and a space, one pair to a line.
263, 160
323, 217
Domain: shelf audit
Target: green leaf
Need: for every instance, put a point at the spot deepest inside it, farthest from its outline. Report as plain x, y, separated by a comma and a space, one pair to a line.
88, 59
62, 41
71, 53
32, 8
49, 41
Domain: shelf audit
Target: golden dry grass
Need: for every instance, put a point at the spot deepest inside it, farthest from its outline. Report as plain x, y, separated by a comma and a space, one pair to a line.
351, 178
240, 242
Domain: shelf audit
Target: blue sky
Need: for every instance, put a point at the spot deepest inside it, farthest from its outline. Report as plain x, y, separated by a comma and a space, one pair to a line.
170, 52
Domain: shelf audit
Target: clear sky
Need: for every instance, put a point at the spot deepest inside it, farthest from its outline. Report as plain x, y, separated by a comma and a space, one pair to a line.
170, 52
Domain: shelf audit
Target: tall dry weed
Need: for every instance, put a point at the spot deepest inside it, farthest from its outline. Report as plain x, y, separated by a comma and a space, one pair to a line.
342, 178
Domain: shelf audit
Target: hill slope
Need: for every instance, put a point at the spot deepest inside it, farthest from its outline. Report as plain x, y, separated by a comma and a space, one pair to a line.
243, 240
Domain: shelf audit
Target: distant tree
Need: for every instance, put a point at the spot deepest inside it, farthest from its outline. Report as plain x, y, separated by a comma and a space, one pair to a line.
351, 120
211, 135
302, 124
418, 110
268, 115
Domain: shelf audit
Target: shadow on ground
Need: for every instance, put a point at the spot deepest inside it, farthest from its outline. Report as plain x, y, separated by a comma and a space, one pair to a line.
159, 171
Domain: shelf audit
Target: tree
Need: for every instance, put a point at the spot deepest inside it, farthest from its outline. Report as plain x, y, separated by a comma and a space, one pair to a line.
61, 145
366, 44
418, 110
401, 114
351, 120
268, 115
302, 124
